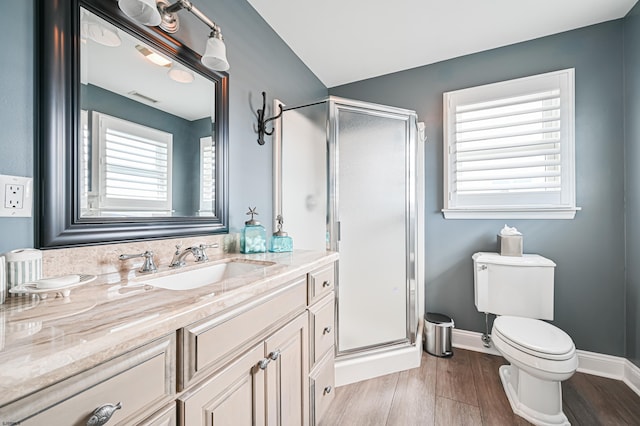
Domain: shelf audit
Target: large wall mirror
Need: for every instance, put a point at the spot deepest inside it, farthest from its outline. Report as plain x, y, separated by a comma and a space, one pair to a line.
132, 131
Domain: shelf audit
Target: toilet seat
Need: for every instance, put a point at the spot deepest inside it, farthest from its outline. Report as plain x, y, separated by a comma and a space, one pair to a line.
534, 337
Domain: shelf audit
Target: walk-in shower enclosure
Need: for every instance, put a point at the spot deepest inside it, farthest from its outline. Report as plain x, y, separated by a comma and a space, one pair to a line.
346, 178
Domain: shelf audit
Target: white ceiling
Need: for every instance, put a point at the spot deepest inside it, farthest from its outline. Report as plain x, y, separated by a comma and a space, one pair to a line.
343, 41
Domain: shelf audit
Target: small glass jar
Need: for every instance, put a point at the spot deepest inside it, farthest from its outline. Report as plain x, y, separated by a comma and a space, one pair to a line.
253, 238
280, 241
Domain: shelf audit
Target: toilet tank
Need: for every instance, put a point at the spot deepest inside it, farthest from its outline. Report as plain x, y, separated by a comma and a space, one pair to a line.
509, 285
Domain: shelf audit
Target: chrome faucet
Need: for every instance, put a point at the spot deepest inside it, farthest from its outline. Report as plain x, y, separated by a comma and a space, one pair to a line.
198, 252
147, 266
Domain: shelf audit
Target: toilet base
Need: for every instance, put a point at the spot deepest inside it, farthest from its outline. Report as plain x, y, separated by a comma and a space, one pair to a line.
538, 401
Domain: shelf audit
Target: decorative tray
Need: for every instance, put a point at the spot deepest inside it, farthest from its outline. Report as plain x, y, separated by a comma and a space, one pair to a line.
58, 286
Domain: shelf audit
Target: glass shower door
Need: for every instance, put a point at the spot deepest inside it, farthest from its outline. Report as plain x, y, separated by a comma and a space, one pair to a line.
371, 157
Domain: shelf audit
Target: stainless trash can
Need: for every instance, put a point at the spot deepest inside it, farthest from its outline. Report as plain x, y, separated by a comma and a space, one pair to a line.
437, 334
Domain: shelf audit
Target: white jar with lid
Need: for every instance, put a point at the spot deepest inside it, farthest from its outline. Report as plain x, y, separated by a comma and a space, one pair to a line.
23, 265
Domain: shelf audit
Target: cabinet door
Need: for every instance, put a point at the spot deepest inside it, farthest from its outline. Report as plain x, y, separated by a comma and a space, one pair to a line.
234, 396
286, 376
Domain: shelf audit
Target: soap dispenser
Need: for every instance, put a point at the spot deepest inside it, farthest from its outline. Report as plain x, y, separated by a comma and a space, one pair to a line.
253, 238
280, 240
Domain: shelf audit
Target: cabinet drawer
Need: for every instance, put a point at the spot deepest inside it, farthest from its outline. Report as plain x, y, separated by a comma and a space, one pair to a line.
140, 380
322, 381
321, 282
213, 341
322, 326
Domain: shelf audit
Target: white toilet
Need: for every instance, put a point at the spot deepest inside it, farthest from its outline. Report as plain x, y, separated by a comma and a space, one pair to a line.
520, 291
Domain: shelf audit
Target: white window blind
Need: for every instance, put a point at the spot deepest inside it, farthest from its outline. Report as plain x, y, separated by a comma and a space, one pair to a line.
134, 167
509, 149
207, 176
85, 160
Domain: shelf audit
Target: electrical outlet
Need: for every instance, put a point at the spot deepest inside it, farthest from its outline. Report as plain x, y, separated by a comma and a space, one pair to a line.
13, 196
18, 196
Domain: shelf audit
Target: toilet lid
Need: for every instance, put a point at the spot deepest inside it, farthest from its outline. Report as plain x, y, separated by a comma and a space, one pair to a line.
533, 335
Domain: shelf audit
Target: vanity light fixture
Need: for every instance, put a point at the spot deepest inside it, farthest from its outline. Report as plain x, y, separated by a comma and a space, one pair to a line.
152, 56
164, 14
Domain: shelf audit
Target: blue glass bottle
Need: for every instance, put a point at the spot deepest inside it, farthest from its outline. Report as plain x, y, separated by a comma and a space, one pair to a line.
253, 238
280, 241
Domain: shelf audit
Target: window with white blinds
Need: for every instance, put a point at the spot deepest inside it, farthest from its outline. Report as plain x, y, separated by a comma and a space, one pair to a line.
134, 167
509, 149
207, 176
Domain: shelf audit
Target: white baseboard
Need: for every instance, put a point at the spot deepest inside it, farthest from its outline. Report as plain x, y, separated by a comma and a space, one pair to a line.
470, 340
597, 364
632, 376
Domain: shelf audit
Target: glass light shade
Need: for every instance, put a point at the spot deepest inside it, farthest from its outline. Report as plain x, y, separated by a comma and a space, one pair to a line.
180, 74
215, 55
104, 36
144, 11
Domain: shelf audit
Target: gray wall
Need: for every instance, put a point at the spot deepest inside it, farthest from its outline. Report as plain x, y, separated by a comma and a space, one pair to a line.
16, 111
632, 157
589, 250
259, 60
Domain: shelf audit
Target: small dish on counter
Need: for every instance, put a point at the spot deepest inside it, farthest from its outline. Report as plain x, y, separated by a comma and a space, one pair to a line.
59, 286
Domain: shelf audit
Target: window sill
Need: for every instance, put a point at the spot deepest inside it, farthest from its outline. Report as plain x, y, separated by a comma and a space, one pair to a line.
566, 213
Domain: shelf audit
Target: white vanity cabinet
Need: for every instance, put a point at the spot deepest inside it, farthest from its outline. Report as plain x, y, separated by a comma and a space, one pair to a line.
141, 381
262, 355
281, 370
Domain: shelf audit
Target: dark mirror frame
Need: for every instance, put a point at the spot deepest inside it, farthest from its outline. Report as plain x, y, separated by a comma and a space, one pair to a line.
58, 223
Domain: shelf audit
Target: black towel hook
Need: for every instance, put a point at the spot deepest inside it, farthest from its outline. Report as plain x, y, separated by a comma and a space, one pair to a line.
262, 123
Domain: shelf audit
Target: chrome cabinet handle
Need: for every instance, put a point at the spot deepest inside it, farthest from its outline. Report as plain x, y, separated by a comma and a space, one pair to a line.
326, 330
327, 390
264, 363
275, 355
102, 414
326, 284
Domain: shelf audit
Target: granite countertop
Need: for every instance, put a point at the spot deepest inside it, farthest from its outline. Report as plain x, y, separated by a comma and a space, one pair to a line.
45, 341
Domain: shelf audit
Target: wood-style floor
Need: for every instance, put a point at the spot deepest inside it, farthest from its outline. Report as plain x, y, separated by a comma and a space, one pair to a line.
466, 390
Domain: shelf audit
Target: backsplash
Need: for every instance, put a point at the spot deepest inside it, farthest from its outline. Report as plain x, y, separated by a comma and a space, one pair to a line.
103, 259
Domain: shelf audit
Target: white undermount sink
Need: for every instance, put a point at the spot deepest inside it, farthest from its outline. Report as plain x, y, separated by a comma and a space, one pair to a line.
199, 277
